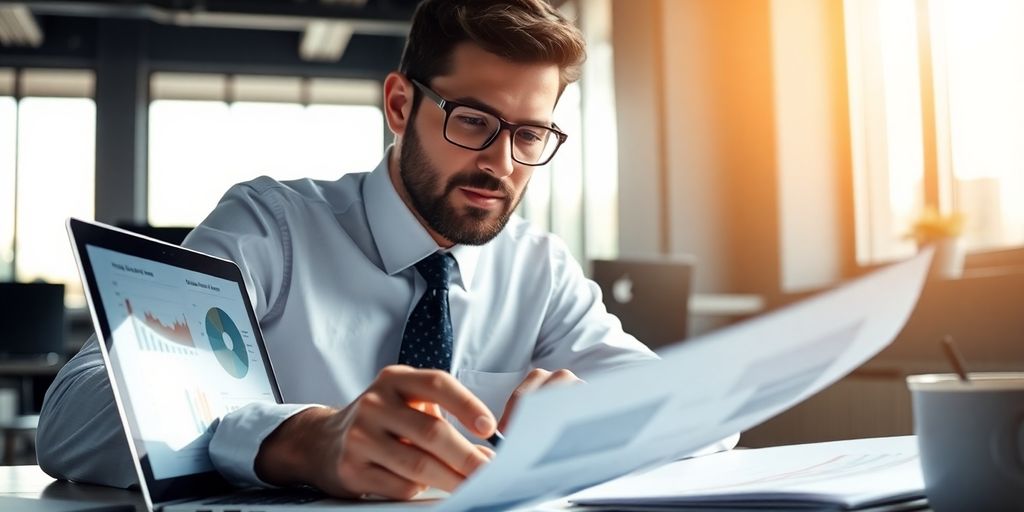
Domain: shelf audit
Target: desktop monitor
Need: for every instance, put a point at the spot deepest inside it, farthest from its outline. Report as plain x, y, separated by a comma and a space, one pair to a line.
32, 322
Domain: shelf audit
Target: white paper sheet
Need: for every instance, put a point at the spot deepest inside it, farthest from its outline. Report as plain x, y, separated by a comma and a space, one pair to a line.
564, 439
850, 474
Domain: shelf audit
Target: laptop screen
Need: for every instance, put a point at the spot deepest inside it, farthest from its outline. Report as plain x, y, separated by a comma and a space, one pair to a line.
182, 349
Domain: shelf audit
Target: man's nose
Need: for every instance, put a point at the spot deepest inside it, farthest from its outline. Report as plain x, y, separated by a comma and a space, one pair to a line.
497, 158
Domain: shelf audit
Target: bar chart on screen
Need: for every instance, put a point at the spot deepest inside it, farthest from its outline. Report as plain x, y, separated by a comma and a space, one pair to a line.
170, 334
199, 406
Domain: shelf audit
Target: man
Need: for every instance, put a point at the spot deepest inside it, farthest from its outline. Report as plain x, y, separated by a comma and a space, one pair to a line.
344, 275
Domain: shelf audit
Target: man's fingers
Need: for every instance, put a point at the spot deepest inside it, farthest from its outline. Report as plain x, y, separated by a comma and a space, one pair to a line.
562, 376
434, 436
532, 381
536, 379
359, 474
441, 388
416, 465
377, 481
485, 450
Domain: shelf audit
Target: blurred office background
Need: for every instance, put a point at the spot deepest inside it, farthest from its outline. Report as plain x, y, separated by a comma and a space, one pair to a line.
778, 146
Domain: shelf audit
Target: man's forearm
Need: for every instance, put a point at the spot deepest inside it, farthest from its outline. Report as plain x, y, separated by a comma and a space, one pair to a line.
289, 455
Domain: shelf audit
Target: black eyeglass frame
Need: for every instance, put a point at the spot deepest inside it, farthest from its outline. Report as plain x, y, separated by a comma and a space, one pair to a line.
448, 106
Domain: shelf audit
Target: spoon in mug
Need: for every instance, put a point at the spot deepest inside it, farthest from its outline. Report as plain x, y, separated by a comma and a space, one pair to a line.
955, 359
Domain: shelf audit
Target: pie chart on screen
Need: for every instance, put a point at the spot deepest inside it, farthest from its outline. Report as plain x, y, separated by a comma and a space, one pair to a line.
227, 343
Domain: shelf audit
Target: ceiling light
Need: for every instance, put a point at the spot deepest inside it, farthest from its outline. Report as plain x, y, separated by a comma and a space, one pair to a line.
18, 27
325, 41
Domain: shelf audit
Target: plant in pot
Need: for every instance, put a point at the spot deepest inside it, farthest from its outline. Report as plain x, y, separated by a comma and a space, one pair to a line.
944, 233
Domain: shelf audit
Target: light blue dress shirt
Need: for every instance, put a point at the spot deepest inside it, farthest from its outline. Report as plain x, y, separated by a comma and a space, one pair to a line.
330, 269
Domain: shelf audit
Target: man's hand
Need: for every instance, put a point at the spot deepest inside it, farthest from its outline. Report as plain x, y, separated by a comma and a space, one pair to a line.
536, 379
390, 442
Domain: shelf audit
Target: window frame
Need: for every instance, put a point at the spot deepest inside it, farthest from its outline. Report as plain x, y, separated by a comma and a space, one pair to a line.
230, 88
938, 181
40, 82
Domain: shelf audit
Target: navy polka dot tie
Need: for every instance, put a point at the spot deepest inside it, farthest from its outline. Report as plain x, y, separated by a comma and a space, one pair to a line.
427, 342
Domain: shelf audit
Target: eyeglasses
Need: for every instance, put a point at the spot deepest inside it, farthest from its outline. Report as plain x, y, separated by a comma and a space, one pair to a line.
471, 128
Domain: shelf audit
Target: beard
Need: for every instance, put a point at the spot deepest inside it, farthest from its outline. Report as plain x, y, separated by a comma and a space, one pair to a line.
433, 200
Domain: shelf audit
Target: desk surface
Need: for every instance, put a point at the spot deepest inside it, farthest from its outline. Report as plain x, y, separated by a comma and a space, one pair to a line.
31, 482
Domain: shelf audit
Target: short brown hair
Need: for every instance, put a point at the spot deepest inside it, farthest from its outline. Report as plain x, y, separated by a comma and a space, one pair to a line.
525, 31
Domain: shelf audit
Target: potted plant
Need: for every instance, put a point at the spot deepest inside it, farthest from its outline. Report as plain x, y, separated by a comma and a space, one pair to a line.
944, 233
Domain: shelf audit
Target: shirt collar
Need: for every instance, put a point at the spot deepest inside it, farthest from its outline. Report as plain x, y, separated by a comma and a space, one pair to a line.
467, 257
400, 238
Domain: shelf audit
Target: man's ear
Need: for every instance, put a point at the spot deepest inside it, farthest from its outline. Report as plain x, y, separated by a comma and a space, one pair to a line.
398, 98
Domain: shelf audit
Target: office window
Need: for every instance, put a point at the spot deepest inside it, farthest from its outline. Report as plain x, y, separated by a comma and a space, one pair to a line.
552, 201
984, 77
8, 134
56, 157
576, 196
47, 155
599, 137
200, 144
567, 174
962, 85
885, 116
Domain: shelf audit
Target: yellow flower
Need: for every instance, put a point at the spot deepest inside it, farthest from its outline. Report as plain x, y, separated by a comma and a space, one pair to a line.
932, 226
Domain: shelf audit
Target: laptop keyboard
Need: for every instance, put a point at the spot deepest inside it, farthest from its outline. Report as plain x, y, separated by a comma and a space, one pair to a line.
269, 497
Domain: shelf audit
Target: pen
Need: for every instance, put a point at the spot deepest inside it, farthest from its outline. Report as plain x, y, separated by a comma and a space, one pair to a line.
496, 439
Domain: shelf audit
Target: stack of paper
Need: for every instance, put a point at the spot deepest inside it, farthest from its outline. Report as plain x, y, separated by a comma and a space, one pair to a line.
841, 475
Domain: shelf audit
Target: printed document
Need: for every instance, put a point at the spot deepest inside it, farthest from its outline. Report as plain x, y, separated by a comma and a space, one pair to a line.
841, 474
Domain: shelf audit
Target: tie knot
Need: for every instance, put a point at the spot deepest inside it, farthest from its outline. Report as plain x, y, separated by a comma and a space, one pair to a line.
436, 269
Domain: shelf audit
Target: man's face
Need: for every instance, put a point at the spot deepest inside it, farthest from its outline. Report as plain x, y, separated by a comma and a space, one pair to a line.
466, 196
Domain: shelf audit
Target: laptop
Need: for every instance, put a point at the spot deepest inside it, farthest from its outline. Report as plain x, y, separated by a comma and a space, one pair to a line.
650, 297
182, 347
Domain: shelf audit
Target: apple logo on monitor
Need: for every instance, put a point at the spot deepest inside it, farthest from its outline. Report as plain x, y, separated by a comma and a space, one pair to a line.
622, 289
